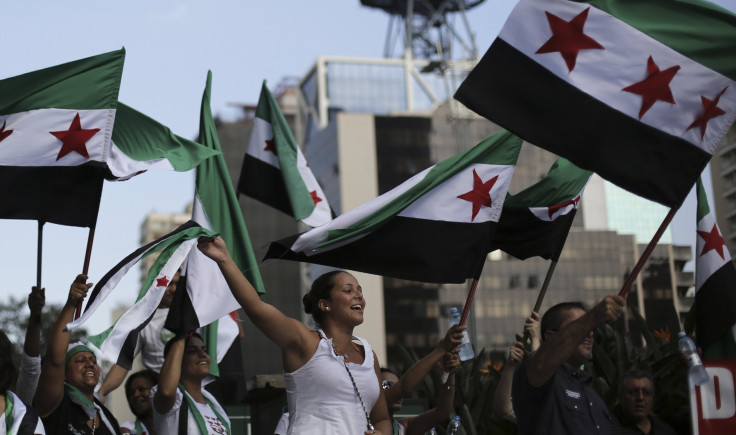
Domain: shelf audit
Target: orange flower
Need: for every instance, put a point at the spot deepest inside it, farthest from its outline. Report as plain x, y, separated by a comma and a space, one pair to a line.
663, 334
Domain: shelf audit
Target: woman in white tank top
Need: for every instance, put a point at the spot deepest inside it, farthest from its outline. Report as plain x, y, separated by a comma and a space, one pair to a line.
332, 377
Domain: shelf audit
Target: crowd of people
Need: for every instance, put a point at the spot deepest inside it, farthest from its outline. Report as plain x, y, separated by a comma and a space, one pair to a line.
334, 384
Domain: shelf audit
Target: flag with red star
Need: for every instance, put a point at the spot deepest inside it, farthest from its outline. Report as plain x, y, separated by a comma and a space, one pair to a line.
535, 222
715, 286
206, 300
118, 342
434, 227
55, 136
640, 92
275, 171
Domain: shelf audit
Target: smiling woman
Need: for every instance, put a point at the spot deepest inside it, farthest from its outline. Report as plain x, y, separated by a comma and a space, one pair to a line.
180, 404
65, 398
331, 377
138, 391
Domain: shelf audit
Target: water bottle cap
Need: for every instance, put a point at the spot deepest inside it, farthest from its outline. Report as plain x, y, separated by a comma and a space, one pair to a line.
681, 334
453, 311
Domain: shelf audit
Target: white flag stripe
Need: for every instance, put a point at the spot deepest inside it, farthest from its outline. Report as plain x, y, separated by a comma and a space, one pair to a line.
442, 202
32, 144
709, 263
207, 288
109, 287
261, 132
312, 238
143, 309
623, 62
124, 167
321, 213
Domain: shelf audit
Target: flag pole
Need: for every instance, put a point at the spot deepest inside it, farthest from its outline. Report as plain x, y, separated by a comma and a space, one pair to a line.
471, 291
647, 252
85, 267
39, 253
542, 293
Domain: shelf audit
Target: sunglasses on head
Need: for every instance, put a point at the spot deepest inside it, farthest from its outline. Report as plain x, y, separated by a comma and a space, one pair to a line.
387, 384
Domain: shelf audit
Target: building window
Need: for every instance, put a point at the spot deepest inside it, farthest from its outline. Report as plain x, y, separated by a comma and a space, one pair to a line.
514, 281
533, 282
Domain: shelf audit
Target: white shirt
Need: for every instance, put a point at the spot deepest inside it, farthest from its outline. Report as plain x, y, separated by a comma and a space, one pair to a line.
152, 340
322, 398
168, 423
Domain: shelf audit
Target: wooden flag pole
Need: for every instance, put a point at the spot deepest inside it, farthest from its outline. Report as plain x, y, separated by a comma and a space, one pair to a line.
85, 267
39, 253
647, 252
542, 293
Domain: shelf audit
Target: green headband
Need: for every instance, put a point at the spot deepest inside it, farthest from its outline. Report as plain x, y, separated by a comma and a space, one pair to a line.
74, 349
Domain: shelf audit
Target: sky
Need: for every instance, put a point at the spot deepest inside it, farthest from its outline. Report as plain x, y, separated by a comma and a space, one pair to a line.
170, 45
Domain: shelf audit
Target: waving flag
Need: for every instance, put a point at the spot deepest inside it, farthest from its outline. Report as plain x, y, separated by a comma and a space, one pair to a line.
715, 286
55, 130
434, 227
535, 221
118, 342
140, 143
275, 171
216, 208
640, 92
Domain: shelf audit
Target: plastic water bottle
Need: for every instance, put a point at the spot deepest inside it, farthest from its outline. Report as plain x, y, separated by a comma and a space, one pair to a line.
454, 428
466, 348
696, 368
432, 431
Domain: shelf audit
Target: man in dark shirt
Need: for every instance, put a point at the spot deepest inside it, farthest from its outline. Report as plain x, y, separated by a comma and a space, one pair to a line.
551, 394
633, 414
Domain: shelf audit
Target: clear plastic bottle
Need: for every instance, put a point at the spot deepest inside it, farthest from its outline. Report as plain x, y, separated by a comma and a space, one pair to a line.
696, 368
466, 348
454, 428
432, 431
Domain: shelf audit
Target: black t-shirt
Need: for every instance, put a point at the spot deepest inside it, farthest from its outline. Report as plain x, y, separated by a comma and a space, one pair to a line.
566, 404
70, 418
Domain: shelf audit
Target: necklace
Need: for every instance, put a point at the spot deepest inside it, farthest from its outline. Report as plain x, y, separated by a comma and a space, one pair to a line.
339, 351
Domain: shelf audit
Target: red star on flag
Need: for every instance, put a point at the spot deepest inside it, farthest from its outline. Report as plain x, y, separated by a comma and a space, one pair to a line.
553, 208
713, 241
162, 282
315, 198
74, 139
656, 87
270, 146
3, 133
568, 38
480, 195
710, 111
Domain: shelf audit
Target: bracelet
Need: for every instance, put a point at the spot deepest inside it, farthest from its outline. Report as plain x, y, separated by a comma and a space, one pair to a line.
450, 387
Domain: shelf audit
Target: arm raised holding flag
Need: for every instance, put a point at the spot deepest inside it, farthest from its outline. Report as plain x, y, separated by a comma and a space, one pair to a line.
313, 360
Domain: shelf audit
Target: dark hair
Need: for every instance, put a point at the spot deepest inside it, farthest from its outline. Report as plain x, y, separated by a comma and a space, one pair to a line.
634, 374
553, 317
7, 368
146, 373
171, 341
321, 288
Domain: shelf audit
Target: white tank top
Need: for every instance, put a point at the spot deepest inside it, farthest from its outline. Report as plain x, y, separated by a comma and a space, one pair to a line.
321, 396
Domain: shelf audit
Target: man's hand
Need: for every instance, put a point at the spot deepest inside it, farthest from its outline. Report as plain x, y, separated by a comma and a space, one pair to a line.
36, 300
609, 309
516, 354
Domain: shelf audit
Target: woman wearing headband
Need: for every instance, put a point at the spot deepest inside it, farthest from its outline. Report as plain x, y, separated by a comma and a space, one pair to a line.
65, 398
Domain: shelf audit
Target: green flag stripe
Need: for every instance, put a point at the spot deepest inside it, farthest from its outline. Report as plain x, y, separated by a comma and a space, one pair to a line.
702, 31
563, 181
703, 207
216, 192
286, 150
142, 138
85, 84
500, 149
